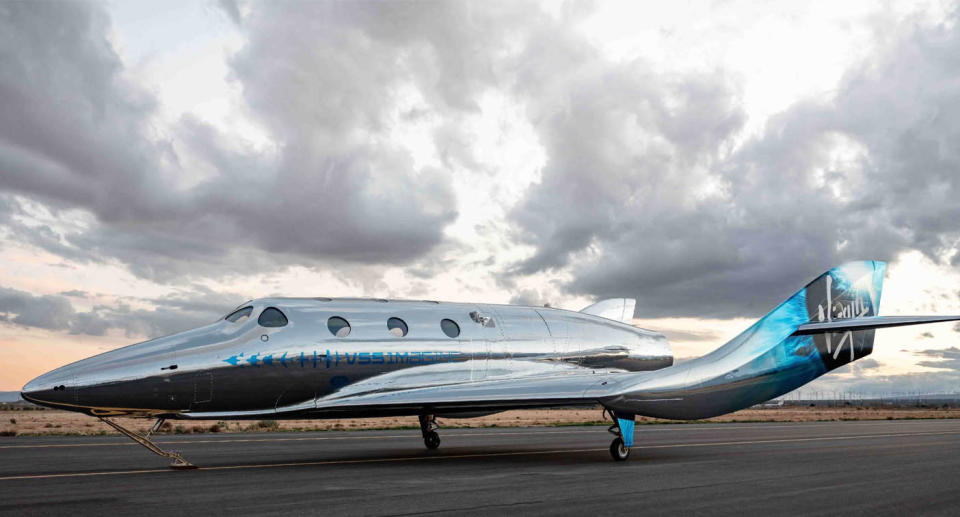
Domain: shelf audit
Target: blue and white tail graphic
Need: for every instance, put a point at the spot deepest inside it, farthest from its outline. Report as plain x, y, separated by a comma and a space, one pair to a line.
776, 345
846, 292
825, 325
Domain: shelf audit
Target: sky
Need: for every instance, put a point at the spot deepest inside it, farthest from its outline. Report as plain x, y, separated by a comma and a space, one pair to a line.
163, 162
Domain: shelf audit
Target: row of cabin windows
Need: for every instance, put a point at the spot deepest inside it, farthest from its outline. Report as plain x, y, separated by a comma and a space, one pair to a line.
272, 317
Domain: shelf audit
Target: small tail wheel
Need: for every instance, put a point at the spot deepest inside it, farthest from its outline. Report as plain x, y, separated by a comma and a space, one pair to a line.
618, 450
431, 440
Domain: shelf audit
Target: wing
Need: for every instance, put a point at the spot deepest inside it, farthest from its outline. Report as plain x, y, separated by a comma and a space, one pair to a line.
449, 388
505, 393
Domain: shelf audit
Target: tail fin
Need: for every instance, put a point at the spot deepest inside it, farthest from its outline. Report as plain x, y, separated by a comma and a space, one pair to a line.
842, 309
849, 291
845, 292
772, 357
825, 325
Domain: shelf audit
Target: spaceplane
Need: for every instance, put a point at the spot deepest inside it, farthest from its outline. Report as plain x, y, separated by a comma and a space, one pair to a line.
302, 358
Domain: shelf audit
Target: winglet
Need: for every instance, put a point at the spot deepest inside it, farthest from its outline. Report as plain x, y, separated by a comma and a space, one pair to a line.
619, 309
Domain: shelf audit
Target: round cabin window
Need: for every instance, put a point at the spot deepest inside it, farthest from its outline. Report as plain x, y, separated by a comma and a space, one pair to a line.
450, 328
272, 317
397, 327
338, 326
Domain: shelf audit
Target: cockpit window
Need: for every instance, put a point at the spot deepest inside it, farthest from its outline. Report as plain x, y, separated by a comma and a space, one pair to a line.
239, 314
272, 317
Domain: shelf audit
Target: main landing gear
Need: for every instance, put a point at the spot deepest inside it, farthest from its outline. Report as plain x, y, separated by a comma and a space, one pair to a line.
428, 427
623, 429
144, 440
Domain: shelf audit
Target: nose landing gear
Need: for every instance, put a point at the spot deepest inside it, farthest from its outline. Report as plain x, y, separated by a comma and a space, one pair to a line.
623, 429
178, 462
428, 426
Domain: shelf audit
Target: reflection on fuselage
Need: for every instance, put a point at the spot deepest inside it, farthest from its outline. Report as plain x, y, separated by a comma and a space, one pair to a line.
276, 352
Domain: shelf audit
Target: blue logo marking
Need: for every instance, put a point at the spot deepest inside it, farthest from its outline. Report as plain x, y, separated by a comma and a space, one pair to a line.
336, 359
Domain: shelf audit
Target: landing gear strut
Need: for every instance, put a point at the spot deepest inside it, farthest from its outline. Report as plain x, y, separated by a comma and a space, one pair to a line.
428, 426
144, 440
623, 429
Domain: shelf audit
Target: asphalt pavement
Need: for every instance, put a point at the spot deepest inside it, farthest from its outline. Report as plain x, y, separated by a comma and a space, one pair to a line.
874, 468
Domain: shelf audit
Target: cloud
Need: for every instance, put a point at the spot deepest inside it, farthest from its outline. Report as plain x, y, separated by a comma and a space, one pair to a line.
888, 385
75, 134
650, 189
135, 317
858, 368
47, 312
947, 358
529, 297
862, 376
673, 334
642, 197
232, 9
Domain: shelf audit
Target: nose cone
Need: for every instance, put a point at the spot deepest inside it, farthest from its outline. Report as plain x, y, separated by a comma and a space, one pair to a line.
116, 378
50, 389
31, 387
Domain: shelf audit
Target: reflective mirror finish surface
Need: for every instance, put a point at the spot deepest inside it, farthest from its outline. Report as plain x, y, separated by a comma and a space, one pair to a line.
319, 349
334, 358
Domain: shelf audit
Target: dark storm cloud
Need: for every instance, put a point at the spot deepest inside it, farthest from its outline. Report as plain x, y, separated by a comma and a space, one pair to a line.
641, 194
75, 134
135, 317
47, 312
622, 204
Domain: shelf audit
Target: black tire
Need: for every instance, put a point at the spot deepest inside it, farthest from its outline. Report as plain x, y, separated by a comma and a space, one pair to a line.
432, 440
618, 450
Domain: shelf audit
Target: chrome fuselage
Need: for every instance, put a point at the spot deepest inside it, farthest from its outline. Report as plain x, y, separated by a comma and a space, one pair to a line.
231, 366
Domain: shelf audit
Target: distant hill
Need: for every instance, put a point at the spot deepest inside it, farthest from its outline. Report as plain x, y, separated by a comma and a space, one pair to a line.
10, 396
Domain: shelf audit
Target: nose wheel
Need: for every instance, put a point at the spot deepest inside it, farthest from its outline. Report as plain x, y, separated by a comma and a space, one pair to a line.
428, 427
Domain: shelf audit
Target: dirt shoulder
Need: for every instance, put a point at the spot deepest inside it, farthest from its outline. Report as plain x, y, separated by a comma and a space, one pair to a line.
52, 422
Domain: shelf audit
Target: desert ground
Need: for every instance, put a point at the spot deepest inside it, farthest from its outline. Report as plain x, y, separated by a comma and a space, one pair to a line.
21, 422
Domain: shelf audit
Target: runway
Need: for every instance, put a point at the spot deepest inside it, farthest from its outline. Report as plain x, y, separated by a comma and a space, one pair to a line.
886, 467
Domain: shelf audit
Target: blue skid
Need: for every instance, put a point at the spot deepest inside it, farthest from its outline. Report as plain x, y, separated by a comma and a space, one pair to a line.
626, 429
